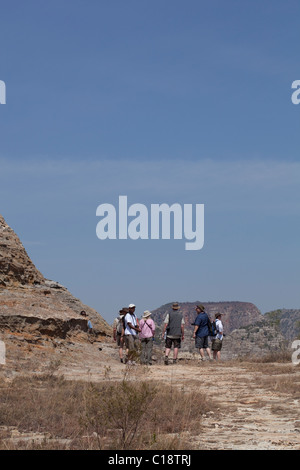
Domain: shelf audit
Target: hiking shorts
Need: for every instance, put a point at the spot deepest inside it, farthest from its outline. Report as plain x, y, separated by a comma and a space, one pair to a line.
120, 340
201, 342
216, 344
131, 342
175, 341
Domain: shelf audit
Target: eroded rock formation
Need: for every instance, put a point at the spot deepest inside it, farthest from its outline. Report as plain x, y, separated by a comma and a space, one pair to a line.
31, 303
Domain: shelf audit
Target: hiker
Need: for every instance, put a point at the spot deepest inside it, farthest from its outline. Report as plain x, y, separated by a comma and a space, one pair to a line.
217, 340
131, 334
147, 327
202, 332
174, 329
89, 325
118, 331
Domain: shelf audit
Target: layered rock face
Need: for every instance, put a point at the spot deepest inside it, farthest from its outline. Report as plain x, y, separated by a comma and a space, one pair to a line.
31, 303
15, 265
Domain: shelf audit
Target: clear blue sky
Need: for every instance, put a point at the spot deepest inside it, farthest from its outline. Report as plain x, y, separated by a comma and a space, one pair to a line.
162, 101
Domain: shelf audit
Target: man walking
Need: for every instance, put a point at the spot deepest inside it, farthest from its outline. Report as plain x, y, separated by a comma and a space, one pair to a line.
174, 329
201, 332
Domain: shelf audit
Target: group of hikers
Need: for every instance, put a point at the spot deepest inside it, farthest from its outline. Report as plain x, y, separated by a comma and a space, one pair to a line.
129, 333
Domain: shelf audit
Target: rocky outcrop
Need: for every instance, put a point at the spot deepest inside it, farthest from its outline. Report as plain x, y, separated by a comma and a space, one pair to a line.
288, 322
31, 303
274, 332
263, 337
16, 268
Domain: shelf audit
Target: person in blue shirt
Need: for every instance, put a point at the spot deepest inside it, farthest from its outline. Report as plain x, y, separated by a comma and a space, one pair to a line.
201, 332
89, 324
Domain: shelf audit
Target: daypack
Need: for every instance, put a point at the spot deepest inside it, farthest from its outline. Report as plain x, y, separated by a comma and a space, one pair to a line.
120, 325
213, 331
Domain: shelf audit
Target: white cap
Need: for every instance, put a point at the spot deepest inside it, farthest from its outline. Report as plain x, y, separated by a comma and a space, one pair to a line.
131, 305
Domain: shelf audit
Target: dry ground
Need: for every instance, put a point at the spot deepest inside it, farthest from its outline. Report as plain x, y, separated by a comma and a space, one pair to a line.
255, 406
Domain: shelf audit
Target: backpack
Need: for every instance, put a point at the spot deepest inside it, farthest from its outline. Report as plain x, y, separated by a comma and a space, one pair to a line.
213, 331
120, 325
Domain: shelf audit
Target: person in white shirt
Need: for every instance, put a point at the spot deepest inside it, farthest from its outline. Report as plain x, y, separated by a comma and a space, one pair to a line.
218, 338
131, 334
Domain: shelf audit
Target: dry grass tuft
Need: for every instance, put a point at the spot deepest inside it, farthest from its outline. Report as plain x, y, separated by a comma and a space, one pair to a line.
48, 412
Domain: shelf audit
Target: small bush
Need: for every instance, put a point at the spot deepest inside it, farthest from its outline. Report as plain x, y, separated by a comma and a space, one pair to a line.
131, 414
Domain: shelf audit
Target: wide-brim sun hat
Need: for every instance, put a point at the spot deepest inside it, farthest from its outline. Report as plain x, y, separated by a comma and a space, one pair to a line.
123, 311
146, 314
201, 308
175, 306
131, 306
218, 314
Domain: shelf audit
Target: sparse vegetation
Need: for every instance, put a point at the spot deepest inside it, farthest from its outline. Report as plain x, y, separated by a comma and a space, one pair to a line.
279, 356
130, 414
274, 316
47, 412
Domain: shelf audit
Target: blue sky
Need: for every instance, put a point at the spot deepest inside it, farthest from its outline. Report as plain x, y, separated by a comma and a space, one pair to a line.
162, 101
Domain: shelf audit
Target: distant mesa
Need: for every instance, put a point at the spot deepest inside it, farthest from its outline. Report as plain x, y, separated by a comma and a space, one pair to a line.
237, 314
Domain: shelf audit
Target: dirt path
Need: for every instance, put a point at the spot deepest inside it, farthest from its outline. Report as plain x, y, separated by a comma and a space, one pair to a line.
249, 416
254, 406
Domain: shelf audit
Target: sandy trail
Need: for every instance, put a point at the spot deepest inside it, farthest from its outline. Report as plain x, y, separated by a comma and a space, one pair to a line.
249, 411
254, 406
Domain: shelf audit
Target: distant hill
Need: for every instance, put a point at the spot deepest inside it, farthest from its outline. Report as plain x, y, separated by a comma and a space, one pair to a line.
274, 332
248, 331
288, 321
236, 314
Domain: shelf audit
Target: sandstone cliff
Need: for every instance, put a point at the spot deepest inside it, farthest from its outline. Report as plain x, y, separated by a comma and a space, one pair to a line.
16, 268
30, 303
